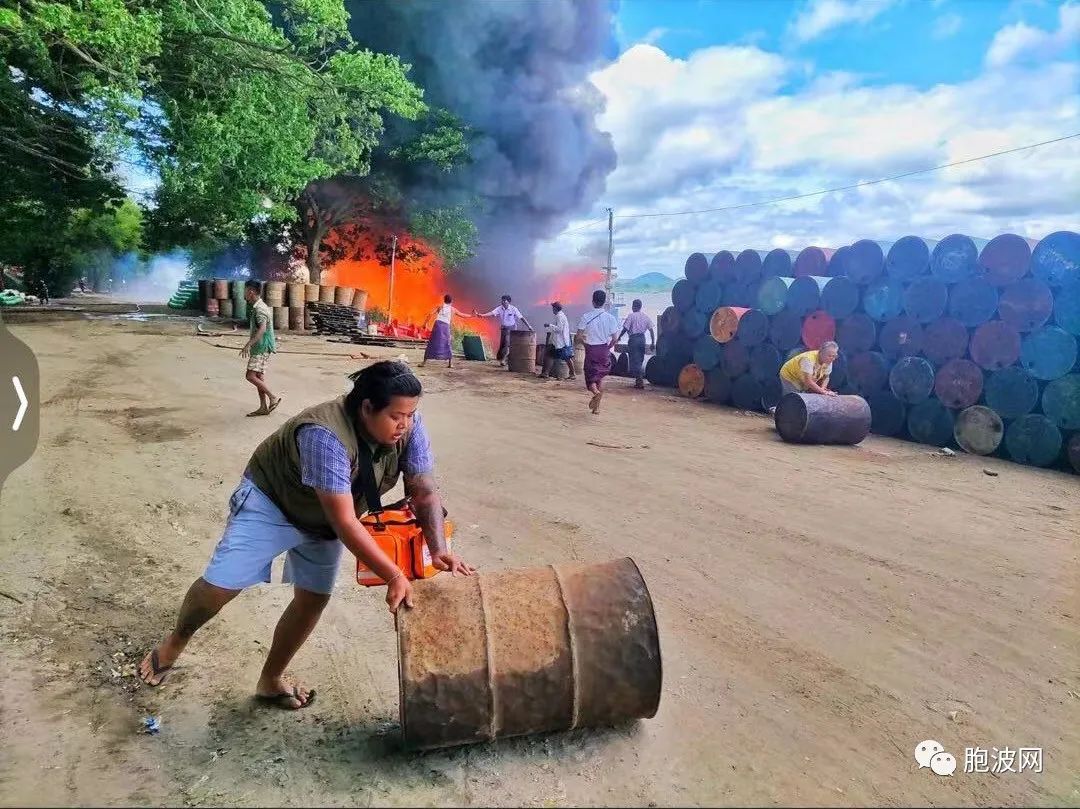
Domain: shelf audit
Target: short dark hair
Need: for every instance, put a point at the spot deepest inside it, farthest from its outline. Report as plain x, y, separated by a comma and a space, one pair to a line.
599, 297
556, 307
447, 299
253, 284
636, 305
506, 298
379, 383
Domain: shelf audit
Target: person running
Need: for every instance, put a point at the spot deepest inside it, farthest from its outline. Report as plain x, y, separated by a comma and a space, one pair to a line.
259, 347
438, 345
637, 323
599, 330
559, 346
302, 495
509, 316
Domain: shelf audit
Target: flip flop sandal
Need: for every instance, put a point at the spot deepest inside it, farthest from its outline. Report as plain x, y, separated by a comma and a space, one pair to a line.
157, 670
274, 405
280, 700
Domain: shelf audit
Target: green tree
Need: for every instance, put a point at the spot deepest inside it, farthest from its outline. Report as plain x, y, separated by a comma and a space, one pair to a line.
266, 110
436, 142
237, 105
70, 86
95, 240
448, 230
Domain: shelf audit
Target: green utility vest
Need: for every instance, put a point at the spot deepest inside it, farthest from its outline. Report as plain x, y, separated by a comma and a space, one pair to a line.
275, 466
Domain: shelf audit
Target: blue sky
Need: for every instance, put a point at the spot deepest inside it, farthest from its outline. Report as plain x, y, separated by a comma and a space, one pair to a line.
718, 103
715, 103
918, 42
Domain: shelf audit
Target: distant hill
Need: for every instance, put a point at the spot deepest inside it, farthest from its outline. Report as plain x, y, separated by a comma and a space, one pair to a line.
649, 282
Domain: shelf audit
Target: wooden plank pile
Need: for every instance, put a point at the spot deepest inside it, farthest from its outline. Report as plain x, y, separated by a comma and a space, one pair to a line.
343, 321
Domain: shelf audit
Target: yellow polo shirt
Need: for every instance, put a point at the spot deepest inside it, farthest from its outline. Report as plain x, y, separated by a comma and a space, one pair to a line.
807, 362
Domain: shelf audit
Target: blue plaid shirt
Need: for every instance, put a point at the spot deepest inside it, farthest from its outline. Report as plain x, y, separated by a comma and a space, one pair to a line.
324, 461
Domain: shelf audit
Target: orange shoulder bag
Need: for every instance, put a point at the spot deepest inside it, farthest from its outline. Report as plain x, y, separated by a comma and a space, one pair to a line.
395, 530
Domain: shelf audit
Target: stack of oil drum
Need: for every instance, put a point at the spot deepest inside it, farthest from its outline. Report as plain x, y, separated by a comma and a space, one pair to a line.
959, 340
219, 298
225, 299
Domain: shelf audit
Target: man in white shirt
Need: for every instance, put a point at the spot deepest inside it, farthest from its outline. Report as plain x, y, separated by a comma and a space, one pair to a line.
599, 330
559, 346
509, 316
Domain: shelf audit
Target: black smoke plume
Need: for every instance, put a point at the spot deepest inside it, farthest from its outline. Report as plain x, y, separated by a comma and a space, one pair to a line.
515, 72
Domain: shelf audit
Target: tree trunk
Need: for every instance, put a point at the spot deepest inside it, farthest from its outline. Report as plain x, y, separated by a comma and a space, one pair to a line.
314, 266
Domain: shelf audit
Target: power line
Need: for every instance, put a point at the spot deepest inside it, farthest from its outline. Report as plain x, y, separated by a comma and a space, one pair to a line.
583, 227
846, 187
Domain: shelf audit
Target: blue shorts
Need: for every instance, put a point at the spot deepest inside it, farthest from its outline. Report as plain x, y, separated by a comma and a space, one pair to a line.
256, 533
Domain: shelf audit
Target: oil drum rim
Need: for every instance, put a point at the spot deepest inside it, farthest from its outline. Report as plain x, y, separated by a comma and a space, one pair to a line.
656, 634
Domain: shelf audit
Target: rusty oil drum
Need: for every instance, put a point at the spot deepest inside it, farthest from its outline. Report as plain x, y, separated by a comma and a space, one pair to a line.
527, 651
281, 318
521, 356
274, 293
295, 294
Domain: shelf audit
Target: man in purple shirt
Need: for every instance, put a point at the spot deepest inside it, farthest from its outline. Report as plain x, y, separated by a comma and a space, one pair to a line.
508, 316
637, 323
302, 495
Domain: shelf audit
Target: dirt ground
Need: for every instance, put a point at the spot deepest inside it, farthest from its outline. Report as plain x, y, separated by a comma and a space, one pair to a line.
821, 610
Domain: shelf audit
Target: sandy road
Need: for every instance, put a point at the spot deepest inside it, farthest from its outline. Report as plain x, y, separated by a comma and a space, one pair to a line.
822, 610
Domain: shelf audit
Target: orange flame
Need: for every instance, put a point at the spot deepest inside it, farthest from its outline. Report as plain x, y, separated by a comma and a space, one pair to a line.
572, 285
360, 257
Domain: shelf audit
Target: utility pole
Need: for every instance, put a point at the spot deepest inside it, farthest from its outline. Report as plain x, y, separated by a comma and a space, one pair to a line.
610, 268
390, 302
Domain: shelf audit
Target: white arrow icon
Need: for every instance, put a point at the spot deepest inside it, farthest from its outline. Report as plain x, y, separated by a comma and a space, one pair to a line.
22, 406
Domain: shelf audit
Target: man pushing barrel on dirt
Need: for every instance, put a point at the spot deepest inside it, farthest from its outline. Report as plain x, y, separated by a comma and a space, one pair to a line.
302, 494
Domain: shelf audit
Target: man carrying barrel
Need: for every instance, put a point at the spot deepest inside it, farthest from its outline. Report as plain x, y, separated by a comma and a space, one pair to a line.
259, 347
508, 316
598, 330
809, 371
302, 494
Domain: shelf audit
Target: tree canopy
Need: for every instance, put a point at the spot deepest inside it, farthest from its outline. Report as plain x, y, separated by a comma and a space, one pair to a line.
240, 107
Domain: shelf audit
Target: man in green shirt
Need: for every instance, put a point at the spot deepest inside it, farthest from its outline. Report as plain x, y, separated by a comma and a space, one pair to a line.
259, 347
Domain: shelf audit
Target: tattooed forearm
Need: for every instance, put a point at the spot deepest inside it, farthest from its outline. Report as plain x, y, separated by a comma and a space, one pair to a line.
429, 510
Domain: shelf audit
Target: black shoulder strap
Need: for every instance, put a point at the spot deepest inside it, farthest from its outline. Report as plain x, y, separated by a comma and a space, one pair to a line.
365, 484
365, 480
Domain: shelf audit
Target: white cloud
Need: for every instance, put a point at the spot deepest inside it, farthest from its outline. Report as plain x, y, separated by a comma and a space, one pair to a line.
947, 25
821, 16
655, 35
723, 128
1022, 42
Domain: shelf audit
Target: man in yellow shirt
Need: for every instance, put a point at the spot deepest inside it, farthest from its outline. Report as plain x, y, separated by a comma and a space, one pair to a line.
809, 372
